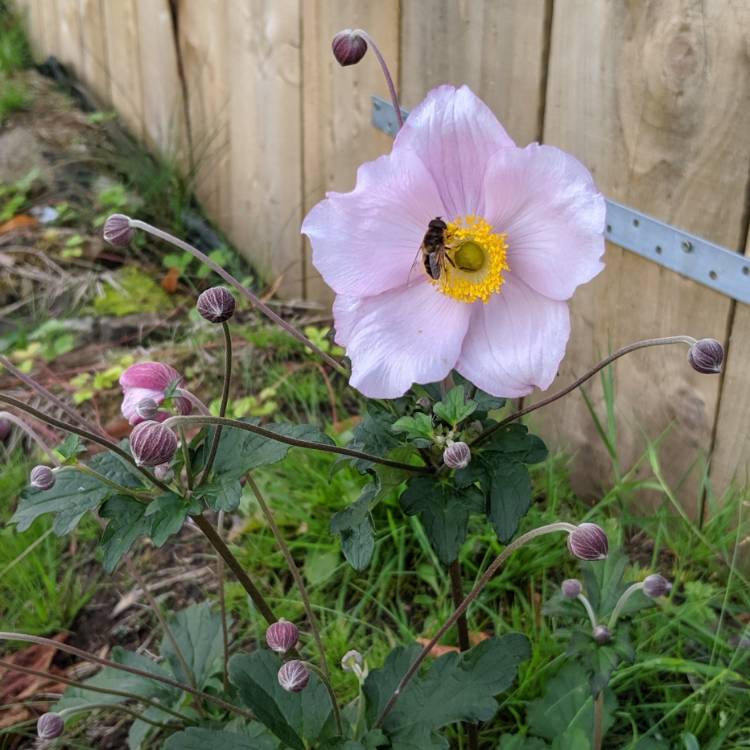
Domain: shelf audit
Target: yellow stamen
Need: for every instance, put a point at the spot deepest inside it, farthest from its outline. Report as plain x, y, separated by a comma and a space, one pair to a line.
479, 257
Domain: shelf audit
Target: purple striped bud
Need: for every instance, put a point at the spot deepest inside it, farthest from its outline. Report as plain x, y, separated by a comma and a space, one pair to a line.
42, 478
282, 636
151, 444
117, 230
348, 47
49, 726
147, 409
656, 586
457, 456
571, 588
293, 676
601, 634
216, 305
706, 356
588, 542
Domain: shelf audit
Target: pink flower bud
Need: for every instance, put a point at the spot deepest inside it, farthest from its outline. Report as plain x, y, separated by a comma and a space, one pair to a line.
282, 636
588, 542
348, 47
216, 305
5, 428
49, 726
42, 478
457, 456
706, 356
117, 230
151, 444
571, 588
164, 472
147, 409
293, 676
150, 380
601, 634
656, 586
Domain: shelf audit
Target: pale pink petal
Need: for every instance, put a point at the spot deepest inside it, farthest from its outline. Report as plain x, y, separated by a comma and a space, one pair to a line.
154, 375
345, 313
367, 241
404, 336
547, 203
133, 396
455, 133
515, 342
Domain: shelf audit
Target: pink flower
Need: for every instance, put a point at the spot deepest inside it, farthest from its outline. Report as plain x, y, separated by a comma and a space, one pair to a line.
524, 229
149, 380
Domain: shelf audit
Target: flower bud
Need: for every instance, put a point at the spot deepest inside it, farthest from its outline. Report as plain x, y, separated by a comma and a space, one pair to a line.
348, 47
588, 542
425, 404
5, 428
293, 676
282, 636
656, 586
49, 726
601, 634
147, 409
216, 305
151, 444
117, 230
571, 588
706, 356
457, 456
352, 661
164, 472
42, 478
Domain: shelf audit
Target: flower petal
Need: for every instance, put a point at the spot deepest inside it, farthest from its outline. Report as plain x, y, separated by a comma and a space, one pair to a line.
403, 336
133, 396
454, 133
367, 241
515, 342
547, 203
154, 375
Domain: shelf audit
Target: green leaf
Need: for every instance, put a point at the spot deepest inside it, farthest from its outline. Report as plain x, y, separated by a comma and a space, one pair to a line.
510, 496
354, 527
485, 402
456, 687
140, 730
454, 408
127, 522
444, 512
519, 742
514, 441
320, 565
603, 581
70, 448
167, 514
290, 716
199, 738
221, 493
197, 630
417, 427
374, 435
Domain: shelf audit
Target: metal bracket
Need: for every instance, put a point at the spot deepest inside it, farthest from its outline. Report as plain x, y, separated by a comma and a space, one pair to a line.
698, 259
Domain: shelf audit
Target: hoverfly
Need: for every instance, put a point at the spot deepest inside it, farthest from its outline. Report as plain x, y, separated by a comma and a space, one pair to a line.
434, 252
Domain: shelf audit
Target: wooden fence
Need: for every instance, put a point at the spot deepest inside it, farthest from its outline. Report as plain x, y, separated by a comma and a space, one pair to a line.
653, 95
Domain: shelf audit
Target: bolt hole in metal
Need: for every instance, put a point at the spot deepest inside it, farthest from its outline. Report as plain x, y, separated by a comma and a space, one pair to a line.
609, 228
713, 275
687, 246
636, 222
658, 249
746, 270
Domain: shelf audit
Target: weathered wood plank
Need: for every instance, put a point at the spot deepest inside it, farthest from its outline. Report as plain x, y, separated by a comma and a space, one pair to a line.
495, 46
70, 51
645, 94
31, 12
94, 64
336, 102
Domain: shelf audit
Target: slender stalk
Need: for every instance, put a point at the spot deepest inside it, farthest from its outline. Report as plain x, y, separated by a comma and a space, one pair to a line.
665, 341
192, 398
186, 459
223, 608
248, 427
234, 565
589, 609
101, 661
93, 688
622, 601
386, 74
121, 488
254, 300
116, 707
496, 564
294, 570
10, 417
224, 401
334, 704
598, 723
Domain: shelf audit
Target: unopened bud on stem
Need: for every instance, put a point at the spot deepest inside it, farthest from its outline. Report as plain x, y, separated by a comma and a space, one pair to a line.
348, 47
49, 726
706, 356
457, 456
151, 444
571, 588
42, 477
147, 409
216, 304
588, 542
282, 636
117, 230
656, 586
601, 634
294, 676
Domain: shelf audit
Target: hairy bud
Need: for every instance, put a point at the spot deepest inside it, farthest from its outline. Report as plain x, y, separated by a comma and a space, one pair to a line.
656, 586
571, 588
588, 542
147, 409
282, 636
601, 634
49, 726
457, 456
706, 356
164, 472
352, 661
348, 47
216, 305
42, 478
151, 444
117, 230
293, 676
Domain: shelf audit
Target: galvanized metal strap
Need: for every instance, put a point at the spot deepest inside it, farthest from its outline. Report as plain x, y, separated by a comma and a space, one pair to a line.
698, 259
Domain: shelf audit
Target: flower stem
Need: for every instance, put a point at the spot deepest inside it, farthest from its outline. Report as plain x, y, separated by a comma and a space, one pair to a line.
334, 704
192, 398
589, 609
598, 721
31, 433
234, 564
617, 611
186, 460
223, 608
496, 564
667, 340
254, 300
248, 427
115, 707
142, 496
294, 570
224, 401
386, 73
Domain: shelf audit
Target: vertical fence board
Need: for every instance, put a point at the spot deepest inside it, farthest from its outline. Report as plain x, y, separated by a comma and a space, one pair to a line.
30, 12
70, 51
263, 43
336, 101
494, 46
94, 66
645, 94
50, 27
